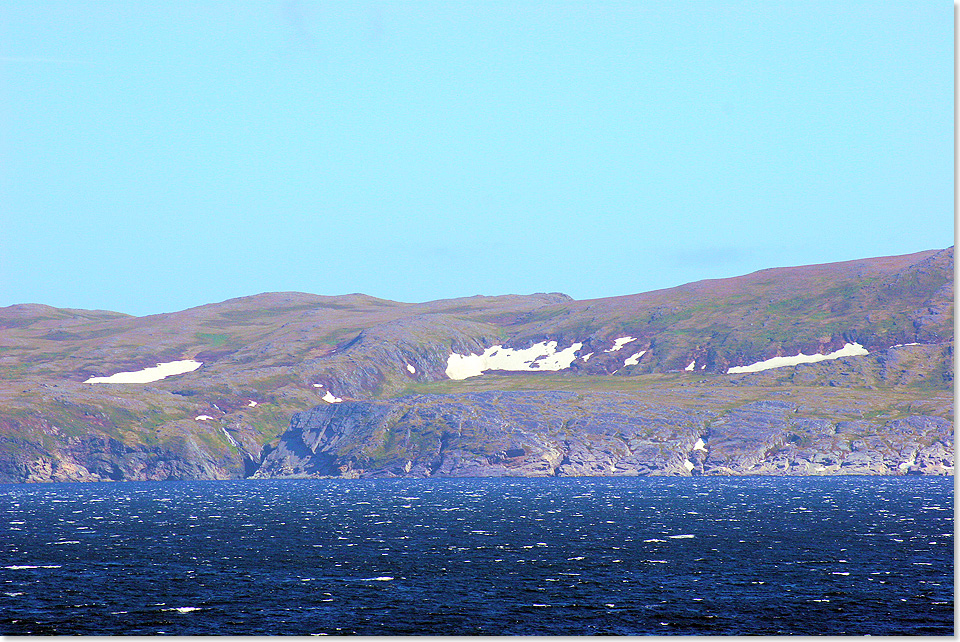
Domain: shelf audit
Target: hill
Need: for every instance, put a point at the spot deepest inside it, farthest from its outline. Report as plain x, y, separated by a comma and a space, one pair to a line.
551, 380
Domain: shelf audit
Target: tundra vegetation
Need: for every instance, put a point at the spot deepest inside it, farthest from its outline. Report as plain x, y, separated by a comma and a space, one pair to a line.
664, 403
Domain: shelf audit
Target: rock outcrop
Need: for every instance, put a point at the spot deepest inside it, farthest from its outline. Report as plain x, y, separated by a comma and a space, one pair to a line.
567, 434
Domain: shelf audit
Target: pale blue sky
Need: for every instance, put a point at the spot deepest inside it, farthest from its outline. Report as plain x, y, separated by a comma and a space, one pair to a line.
161, 155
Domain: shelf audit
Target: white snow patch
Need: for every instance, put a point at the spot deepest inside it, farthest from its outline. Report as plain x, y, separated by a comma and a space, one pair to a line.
688, 464
900, 345
411, 369
329, 398
910, 462
156, 373
230, 438
318, 385
848, 350
689, 368
700, 445
632, 361
619, 343
252, 403
537, 358
586, 357
203, 418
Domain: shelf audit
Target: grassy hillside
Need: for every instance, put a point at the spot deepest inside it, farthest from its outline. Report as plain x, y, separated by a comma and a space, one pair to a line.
270, 355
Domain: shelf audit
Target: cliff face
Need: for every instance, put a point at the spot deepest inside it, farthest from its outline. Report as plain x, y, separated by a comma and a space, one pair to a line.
99, 459
544, 434
651, 374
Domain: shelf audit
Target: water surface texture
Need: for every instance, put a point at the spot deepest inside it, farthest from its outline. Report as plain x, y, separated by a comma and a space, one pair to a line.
625, 556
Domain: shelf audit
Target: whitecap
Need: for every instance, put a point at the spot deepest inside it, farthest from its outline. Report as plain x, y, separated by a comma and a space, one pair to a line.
27, 566
183, 609
680, 536
654, 540
380, 578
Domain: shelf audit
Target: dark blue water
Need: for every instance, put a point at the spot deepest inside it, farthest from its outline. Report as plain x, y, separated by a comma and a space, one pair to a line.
625, 556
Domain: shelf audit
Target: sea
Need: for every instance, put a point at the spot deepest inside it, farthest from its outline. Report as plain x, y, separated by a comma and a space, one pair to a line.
508, 556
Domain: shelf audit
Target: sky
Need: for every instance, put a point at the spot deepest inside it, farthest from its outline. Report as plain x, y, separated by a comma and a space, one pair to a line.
156, 156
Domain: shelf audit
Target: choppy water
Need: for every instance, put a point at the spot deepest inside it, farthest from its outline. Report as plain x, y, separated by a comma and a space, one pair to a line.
627, 556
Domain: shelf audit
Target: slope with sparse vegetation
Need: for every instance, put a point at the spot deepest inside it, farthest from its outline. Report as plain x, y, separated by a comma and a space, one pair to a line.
269, 356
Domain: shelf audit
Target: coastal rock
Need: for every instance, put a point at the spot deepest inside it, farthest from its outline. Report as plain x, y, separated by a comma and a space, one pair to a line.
565, 434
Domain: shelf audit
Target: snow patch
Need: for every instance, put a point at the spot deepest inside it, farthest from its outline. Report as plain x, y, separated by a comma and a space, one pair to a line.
848, 350
537, 358
689, 368
318, 385
230, 438
329, 398
619, 343
632, 361
586, 357
900, 345
700, 445
688, 464
203, 418
147, 375
411, 369
252, 403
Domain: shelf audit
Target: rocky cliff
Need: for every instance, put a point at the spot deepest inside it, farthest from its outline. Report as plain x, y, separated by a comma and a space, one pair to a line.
492, 434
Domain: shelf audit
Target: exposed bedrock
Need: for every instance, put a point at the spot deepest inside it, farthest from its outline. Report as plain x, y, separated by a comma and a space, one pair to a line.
98, 459
488, 434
